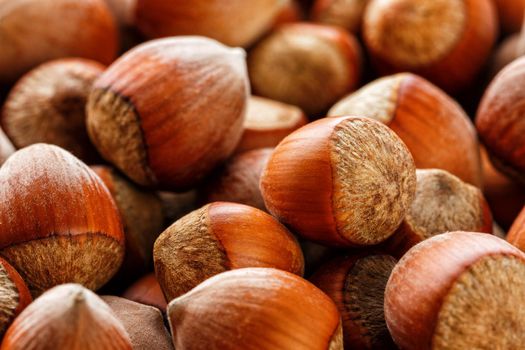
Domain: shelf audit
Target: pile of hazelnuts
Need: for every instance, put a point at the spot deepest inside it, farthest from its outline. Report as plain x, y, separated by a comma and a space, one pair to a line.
262, 174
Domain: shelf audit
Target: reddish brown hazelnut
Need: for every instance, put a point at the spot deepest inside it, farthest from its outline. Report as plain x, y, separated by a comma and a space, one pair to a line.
14, 295
434, 127
255, 308
345, 13
142, 218
218, 237
68, 316
144, 324
211, 18
58, 222
340, 181
147, 291
446, 41
306, 65
506, 52
48, 105
35, 31
143, 115
356, 283
238, 181
267, 122
458, 290
443, 203
499, 120
510, 14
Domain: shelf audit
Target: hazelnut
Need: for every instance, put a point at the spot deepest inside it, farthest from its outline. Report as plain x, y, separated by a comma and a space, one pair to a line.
143, 114
267, 122
306, 65
14, 295
6, 147
340, 181
291, 12
356, 283
506, 197
516, 235
144, 324
142, 218
238, 181
147, 291
345, 13
218, 237
255, 308
434, 127
58, 222
48, 105
505, 53
499, 120
510, 14
458, 290
68, 316
442, 203
211, 18
35, 31
446, 41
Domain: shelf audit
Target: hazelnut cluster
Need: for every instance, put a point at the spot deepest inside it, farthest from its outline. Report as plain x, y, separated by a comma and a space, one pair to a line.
263, 174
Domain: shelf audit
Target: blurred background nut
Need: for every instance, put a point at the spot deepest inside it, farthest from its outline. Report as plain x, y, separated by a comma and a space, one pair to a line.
6, 147
36, 31
345, 13
147, 291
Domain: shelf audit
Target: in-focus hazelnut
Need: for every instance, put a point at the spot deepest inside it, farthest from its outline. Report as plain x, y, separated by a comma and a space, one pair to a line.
345, 13
218, 237
255, 308
306, 65
446, 41
142, 218
499, 120
345, 181
36, 31
458, 290
236, 23
48, 105
14, 295
267, 122
238, 181
144, 324
169, 110
68, 316
58, 222
356, 283
434, 127
443, 203
147, 291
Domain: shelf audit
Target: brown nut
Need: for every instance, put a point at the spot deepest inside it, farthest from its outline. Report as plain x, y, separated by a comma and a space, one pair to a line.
499, 120
14, 295
6, 147
35, 31
516, 235
143, 116
458, 290
306, 65
211, 18
58, 222
255, 308
267, 122
48, 105
218, 237
345, 13
340, 181
356, 283
144, 324
68, 316
142, 218
443, 203
510, 14
147, 291
434, 127
445, 41
238, 181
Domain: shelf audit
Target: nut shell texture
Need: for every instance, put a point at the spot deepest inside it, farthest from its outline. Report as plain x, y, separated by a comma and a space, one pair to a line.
259, 308
58, 222
340, 181
170, 110
36, 31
